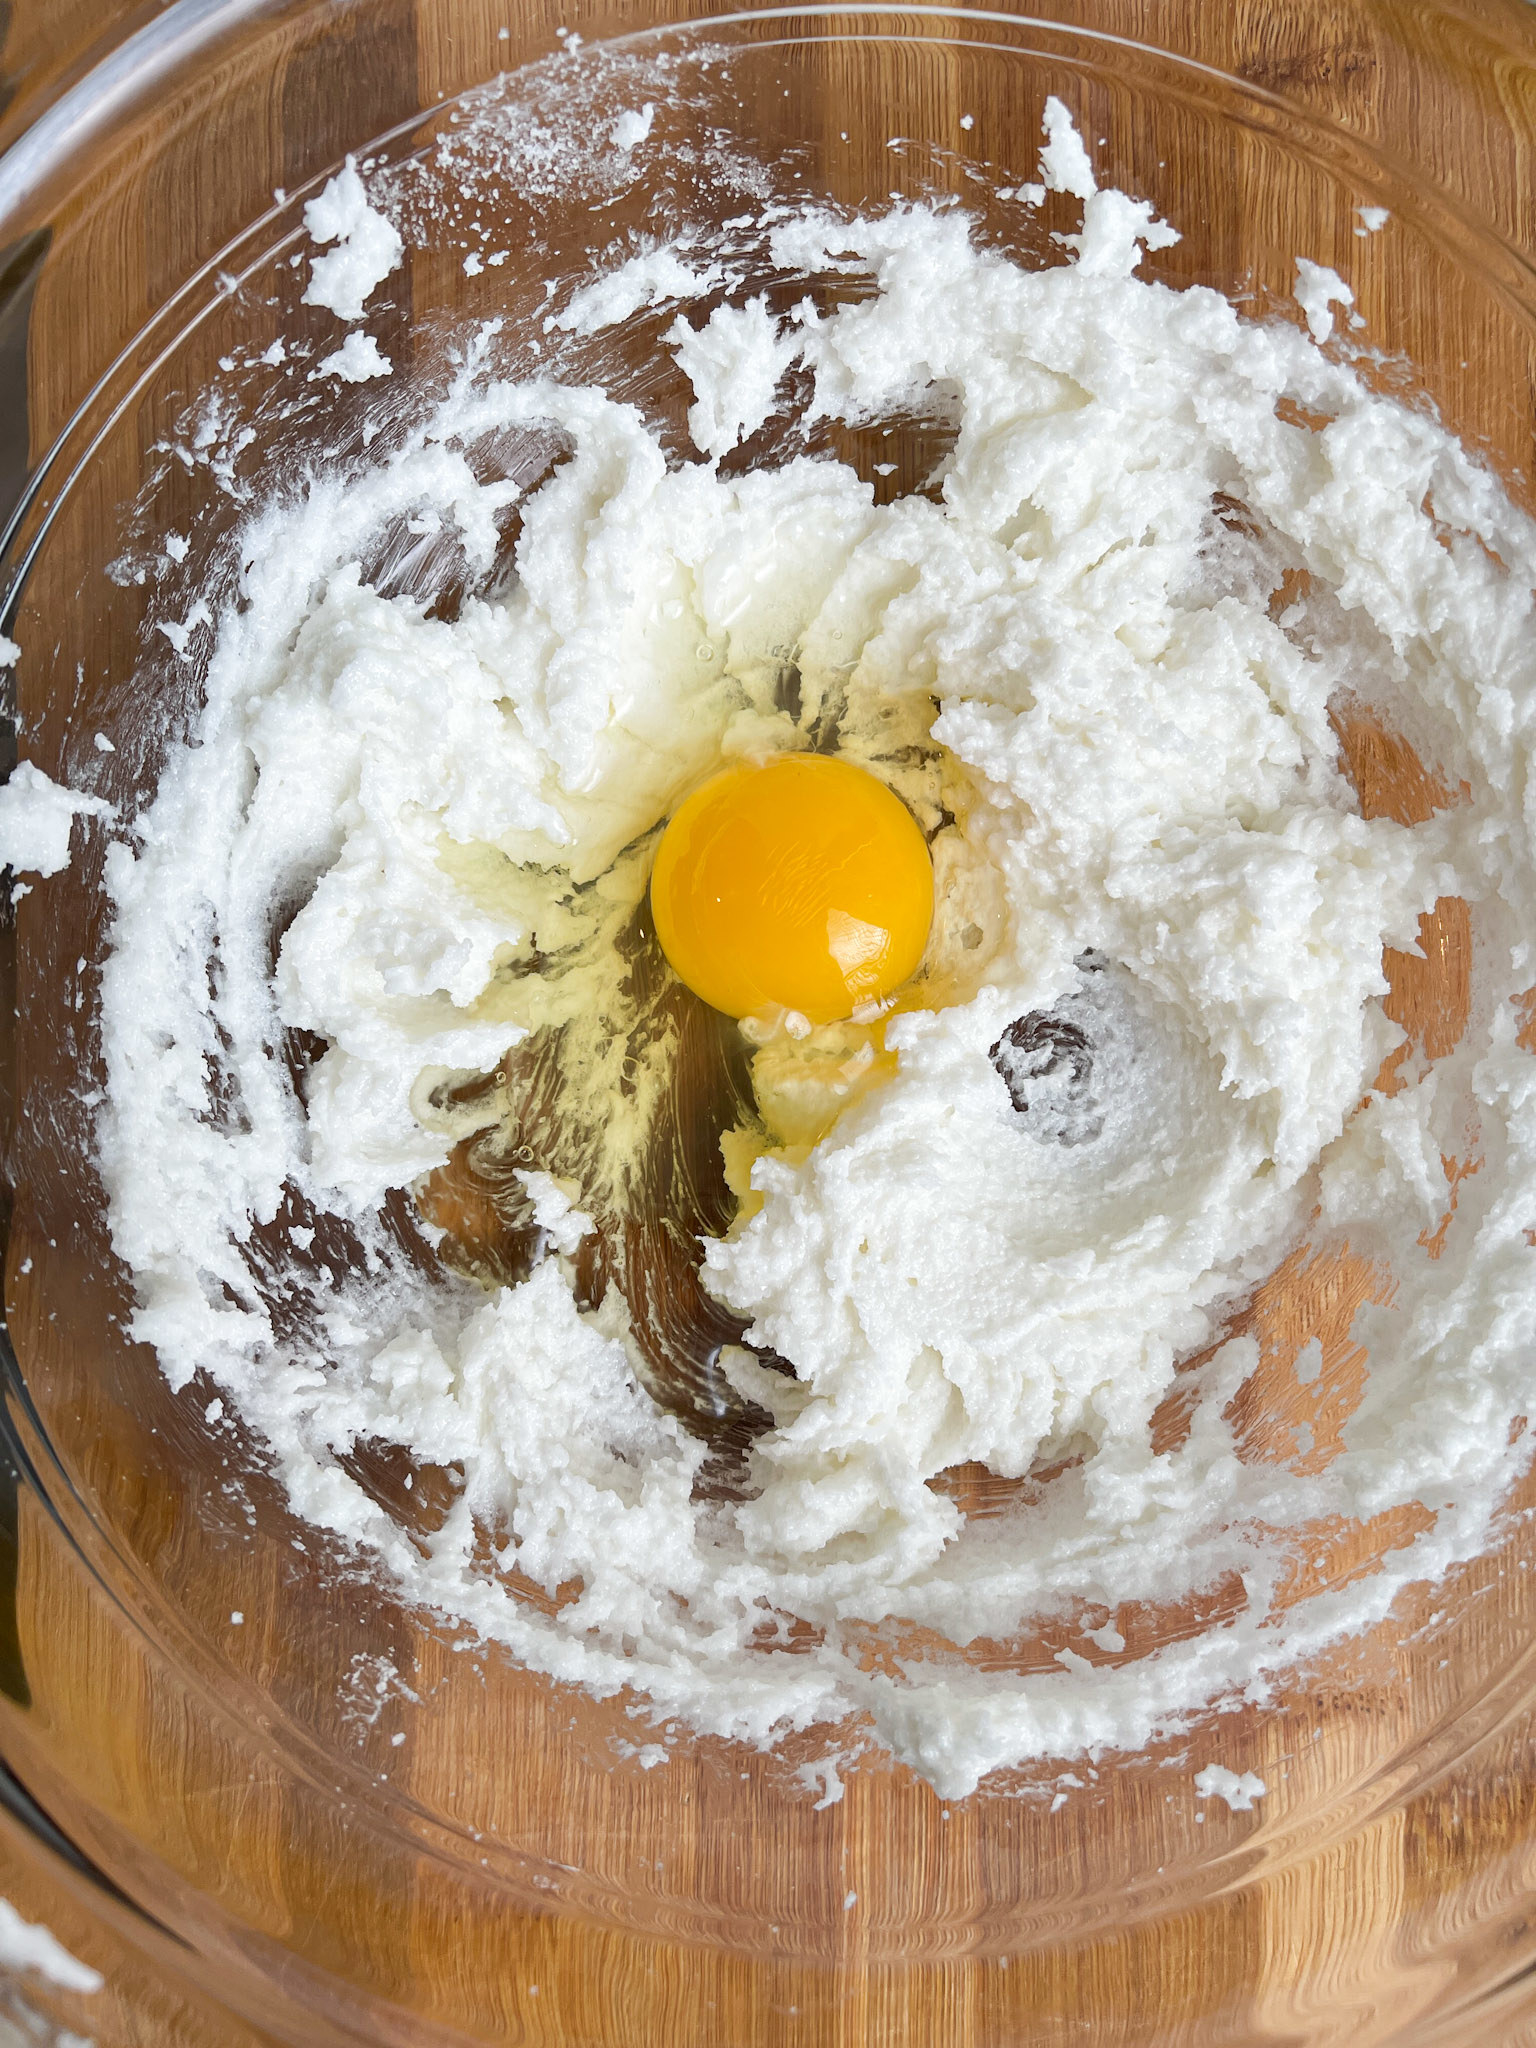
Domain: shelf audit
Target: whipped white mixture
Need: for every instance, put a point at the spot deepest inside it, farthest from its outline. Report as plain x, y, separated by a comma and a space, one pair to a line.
1097, 657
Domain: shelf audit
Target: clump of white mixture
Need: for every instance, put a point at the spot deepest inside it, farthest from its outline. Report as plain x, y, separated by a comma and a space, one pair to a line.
993, 1256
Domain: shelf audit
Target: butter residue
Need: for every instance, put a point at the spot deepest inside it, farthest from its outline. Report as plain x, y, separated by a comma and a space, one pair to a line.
365, 247
1240, 1789
37, 817
27, 1945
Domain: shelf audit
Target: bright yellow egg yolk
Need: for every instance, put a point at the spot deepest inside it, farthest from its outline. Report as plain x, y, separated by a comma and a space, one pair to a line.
801, 883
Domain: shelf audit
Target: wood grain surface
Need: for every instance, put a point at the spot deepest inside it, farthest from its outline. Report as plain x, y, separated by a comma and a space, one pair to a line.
285, 1869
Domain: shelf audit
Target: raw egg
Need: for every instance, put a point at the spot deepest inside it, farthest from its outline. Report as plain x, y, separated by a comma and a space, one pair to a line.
800, 883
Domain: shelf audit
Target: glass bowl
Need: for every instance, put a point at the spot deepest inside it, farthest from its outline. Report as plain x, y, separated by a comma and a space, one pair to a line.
280, 1802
